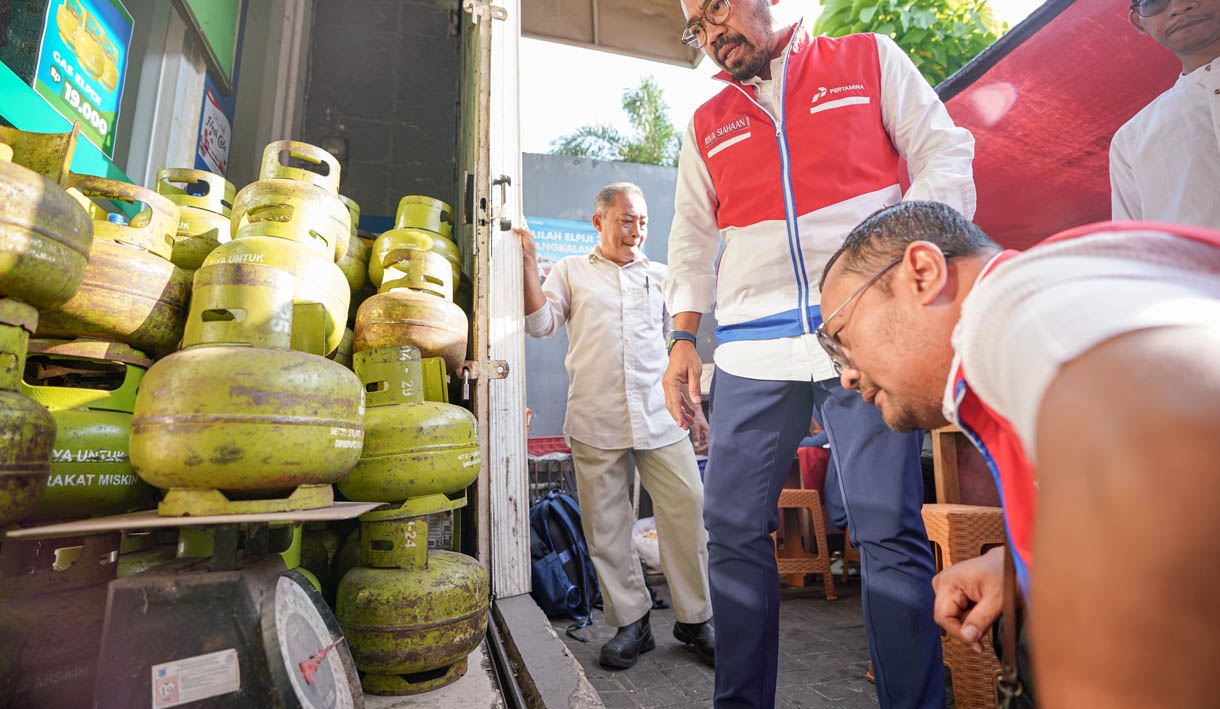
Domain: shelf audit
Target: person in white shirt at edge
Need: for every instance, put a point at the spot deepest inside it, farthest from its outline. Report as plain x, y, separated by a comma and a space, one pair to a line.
611, 301
1086, 370
1165, 162
803, 143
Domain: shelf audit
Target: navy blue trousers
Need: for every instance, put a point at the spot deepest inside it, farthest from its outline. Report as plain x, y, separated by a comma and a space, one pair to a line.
756, 426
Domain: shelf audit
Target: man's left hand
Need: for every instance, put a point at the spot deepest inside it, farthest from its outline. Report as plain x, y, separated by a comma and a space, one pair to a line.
970, 596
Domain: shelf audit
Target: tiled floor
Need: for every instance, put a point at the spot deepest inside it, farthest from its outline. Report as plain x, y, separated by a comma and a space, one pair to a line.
823, 655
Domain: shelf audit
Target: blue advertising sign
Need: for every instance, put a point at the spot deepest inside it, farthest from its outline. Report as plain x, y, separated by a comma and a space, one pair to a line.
556, 238
82, 63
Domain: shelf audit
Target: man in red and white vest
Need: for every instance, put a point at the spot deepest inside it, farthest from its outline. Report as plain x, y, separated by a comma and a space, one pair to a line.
1087, 372
804, 141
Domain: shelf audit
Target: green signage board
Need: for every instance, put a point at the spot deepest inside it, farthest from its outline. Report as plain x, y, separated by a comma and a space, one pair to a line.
82, 62
217, 22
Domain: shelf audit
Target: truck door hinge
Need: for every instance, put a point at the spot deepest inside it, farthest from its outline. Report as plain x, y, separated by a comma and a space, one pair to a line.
479, 9
474, 369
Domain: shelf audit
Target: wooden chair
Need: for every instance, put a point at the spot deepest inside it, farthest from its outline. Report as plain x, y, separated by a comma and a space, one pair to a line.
961, 532
790, 555
944, 461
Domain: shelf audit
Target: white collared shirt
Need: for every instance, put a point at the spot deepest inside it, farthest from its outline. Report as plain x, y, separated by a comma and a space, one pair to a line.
1165, 161
616, 349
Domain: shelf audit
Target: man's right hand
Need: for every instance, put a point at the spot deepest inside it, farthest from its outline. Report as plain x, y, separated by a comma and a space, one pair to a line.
528, 249
681, 383
534, 297
970, 596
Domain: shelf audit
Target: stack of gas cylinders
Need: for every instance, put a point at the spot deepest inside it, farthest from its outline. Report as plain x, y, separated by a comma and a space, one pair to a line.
411, 614
189, 348
250, 415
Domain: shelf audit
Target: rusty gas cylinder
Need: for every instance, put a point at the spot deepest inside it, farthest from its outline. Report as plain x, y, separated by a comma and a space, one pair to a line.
206, 203
295, 203
151, 229
410, 238
413, 307
410, 616
45, 233
249, 420
412, 447
127, 295
27, 430
316, 279
420, 212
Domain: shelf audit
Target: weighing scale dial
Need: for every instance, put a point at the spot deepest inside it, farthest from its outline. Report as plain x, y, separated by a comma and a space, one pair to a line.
301, 635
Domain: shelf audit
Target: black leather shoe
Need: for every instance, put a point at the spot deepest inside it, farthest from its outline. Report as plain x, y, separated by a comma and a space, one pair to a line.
622, 650
701, 635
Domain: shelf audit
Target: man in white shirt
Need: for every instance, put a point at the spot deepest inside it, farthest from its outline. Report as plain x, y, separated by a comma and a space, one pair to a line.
803, 143
1087, 372
1165, 161
611, 301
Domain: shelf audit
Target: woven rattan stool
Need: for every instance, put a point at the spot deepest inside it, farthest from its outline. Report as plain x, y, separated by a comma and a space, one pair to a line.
962, 532
791, 557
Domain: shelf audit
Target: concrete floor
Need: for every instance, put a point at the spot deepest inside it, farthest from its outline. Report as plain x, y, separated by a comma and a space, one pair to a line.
478, 688
823, 655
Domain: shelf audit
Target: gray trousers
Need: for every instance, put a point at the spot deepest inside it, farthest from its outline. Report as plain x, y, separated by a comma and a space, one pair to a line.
671, 476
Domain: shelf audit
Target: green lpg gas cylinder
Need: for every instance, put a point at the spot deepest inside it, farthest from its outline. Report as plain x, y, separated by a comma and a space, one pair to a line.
319, 549
343, 355
316, 279
412, 447
409, 615
355, 263
295, 203
90, 388
246, 420
419, 212
152, 229
411, 238
206, 203
127, 295
413, 308
27, 430
45, 233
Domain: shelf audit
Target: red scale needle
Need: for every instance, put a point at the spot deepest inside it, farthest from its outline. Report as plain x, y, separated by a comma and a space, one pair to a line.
309, 667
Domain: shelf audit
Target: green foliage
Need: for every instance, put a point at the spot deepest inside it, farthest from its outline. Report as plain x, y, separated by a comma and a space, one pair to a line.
653, 141
599, 141
940, 36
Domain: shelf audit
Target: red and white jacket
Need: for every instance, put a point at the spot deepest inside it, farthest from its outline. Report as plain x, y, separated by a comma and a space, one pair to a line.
782, 170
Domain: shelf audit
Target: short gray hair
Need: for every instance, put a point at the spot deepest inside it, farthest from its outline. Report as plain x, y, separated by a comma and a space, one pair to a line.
609, 195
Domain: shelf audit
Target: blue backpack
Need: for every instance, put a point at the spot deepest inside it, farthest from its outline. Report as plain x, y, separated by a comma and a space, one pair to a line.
564, 581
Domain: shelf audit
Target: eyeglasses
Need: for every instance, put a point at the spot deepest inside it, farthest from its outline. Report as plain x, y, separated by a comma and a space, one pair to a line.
838, 356
1148, 8
714, 12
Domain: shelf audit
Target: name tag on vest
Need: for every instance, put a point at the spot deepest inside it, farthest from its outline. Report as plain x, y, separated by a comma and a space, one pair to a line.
729, 134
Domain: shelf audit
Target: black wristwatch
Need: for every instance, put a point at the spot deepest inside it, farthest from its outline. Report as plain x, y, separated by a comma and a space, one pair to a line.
678, 336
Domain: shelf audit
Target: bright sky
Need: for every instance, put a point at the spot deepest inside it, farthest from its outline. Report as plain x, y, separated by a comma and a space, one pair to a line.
579, 86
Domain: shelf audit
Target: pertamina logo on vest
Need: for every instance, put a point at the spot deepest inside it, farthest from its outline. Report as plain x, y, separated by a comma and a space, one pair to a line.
850, 100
